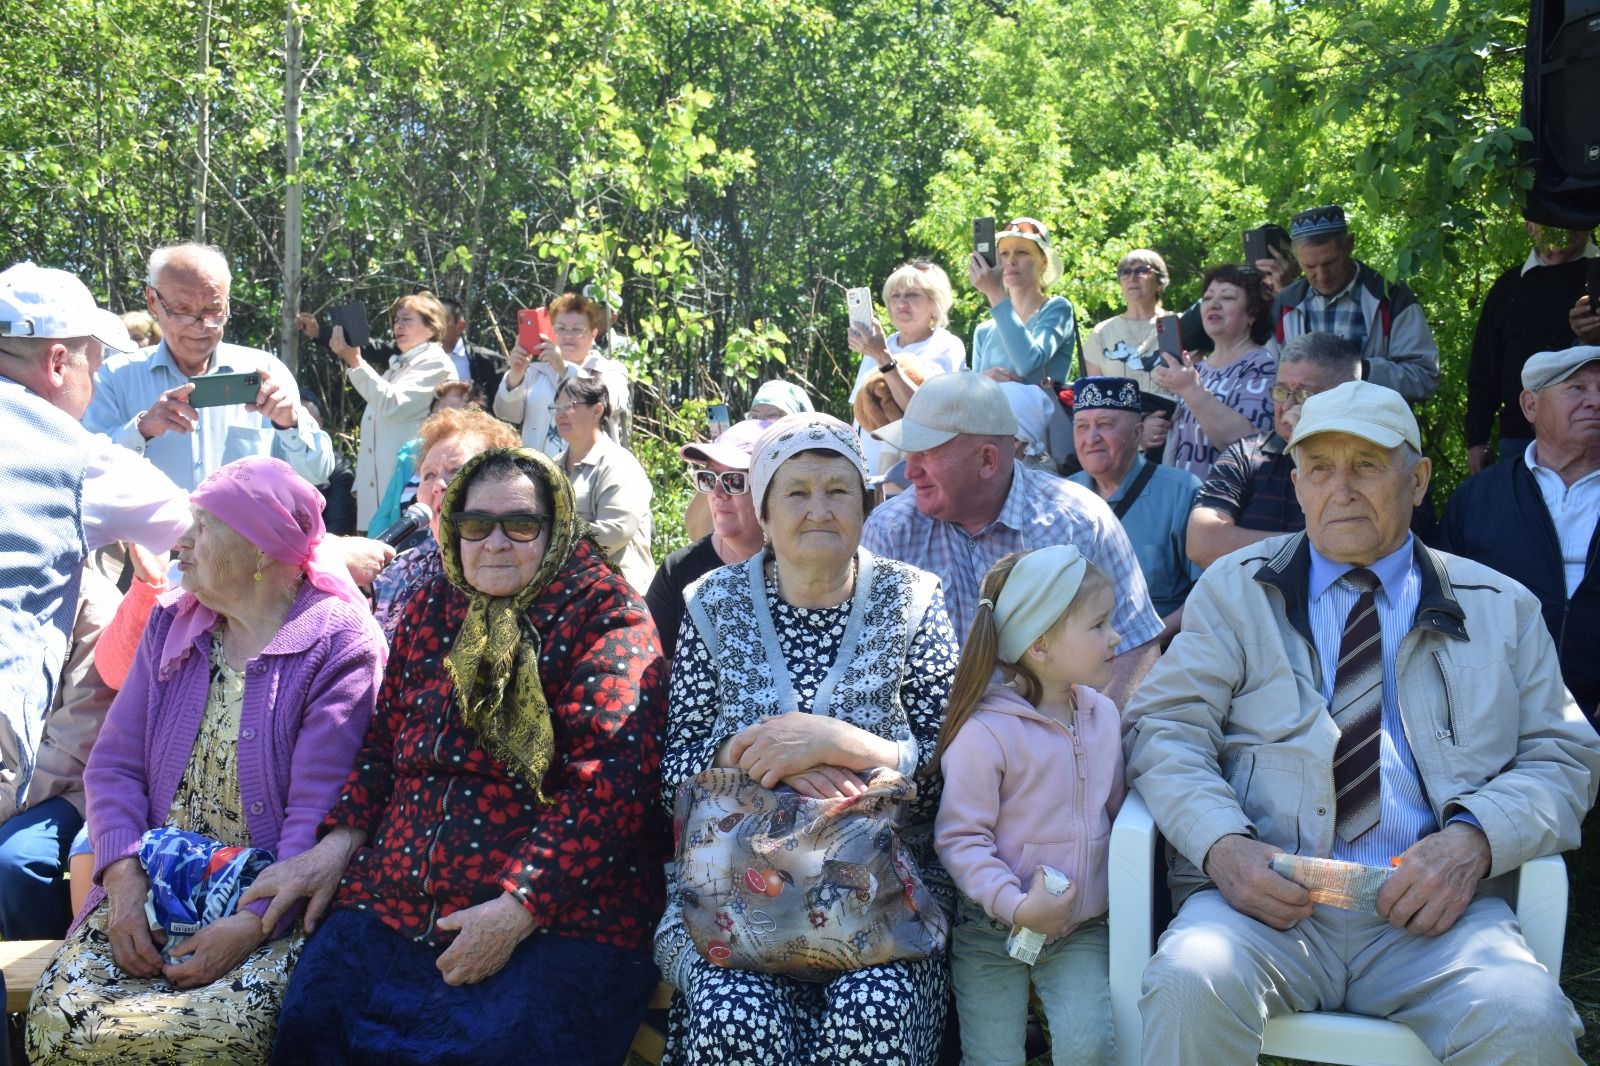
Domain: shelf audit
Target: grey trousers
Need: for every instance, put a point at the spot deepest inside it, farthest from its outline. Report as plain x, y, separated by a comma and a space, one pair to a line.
1473, 995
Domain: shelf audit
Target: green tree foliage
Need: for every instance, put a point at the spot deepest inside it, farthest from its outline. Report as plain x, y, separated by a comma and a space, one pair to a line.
731, 165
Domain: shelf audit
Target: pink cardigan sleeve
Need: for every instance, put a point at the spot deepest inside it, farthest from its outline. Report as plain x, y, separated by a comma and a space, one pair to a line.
119, 642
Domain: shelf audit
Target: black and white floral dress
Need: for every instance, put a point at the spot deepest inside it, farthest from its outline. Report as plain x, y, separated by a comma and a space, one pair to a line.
883, 661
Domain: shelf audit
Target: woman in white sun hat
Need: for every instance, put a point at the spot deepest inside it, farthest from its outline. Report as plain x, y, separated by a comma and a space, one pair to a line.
1030, 335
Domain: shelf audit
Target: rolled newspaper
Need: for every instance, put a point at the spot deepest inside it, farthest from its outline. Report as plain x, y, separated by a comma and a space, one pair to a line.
1349, 886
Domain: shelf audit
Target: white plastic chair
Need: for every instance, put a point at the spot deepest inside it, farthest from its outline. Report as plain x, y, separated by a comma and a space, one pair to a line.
1538, 891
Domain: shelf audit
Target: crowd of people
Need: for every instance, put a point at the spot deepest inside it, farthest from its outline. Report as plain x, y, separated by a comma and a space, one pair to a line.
411, 786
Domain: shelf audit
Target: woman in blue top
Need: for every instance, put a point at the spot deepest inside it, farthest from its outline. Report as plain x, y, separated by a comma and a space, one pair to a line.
1030, 336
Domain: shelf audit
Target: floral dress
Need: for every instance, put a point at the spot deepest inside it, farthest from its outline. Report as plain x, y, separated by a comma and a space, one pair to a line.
883, 1015
85, 1009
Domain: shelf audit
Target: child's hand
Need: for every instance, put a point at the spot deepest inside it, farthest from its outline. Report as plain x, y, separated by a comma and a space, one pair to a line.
1043, 912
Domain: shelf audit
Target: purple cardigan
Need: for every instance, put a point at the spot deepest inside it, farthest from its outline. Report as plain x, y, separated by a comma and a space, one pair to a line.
307, 698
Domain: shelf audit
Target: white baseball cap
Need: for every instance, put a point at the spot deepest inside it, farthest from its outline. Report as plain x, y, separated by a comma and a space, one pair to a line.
1361, 409
38, 301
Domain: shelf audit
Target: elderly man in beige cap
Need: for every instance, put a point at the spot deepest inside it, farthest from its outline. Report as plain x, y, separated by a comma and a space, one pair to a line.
1348, 693
1537, 518
972, 502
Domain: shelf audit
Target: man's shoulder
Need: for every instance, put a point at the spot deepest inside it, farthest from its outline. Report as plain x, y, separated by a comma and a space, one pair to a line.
40, 410
1052, 498
1489, 493
1174, 479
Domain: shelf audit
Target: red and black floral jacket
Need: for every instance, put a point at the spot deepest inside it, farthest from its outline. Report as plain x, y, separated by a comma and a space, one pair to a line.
449, 827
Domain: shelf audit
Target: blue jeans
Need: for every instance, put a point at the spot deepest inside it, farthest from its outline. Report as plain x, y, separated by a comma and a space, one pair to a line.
1071, 977
34, 901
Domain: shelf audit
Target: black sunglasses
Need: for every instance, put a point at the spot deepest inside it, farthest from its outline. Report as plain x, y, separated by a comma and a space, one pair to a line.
521, 527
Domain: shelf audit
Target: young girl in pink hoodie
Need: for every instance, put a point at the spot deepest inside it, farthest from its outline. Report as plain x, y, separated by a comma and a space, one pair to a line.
1033, 779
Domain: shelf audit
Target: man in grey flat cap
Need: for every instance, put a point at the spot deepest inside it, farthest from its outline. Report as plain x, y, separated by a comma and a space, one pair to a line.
1537, 518
1349, 693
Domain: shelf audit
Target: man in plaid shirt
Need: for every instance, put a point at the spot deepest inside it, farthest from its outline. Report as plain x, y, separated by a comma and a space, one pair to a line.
971, 502
1345, 297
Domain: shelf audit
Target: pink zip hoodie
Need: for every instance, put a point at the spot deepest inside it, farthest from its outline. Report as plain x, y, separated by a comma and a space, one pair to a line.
1021, 790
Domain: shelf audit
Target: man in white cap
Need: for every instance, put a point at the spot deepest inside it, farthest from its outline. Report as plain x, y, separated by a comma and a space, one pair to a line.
1346, 692
1537, 518
142, 398
972, 502
63, 493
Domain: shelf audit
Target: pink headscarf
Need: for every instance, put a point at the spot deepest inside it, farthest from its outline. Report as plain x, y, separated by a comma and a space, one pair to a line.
275, 509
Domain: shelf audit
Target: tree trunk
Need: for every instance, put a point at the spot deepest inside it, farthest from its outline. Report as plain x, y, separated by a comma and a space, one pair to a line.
203, 128
292, 208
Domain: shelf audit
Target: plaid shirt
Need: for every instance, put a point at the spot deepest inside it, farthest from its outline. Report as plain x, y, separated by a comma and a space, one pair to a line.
1040, 510
1339, 314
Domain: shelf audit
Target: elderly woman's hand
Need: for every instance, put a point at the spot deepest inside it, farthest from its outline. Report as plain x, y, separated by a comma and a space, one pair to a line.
788, 745
312, 875
365, 558
1177, 376
549, 354
486, 935
872, 343
133, 943
348, 353
1002, 374
1153, 429
214, 950
827, 782
1276, 272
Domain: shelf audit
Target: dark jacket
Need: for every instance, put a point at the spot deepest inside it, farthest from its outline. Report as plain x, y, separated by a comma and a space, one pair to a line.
1499, 518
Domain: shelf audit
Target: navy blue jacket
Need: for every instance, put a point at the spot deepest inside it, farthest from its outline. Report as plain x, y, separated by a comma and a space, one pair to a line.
1499, 518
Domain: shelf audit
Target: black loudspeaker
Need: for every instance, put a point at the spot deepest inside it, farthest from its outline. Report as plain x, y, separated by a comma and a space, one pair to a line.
1561, 106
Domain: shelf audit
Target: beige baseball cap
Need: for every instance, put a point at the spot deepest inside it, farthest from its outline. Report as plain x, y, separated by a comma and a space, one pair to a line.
1361, 409
1552, 368
948, 405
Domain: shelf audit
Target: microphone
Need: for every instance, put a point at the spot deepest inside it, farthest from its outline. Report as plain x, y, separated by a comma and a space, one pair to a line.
413, 518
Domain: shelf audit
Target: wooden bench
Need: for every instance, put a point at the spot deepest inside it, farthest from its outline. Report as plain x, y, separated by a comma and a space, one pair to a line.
22, 961
649, 1043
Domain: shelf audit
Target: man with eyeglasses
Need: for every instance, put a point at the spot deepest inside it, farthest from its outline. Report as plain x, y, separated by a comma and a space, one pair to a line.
1249, 496
141, 398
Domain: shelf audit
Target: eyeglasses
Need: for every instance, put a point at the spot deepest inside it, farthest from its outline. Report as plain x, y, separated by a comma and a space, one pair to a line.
1285, 395
563, 408
1138, 270
733, 482
521, 526
210, 320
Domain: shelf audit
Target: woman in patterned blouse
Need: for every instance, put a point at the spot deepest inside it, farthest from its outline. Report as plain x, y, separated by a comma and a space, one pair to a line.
494, 863
807, 665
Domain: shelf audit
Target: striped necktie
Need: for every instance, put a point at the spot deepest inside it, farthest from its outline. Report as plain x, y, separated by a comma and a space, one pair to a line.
1358, 712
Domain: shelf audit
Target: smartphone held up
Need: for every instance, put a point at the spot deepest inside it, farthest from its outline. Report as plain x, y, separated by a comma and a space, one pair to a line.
983, 239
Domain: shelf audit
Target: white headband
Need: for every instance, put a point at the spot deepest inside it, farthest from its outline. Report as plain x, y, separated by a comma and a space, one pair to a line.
1038, 591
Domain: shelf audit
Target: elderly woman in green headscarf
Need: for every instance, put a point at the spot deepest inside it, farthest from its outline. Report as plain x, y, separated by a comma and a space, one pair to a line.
494, 863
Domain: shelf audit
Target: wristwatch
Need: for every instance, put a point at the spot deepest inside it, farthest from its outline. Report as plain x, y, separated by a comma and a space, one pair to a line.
886, 367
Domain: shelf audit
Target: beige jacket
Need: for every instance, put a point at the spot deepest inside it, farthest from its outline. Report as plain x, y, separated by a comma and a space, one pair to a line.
397, 405
1230, 733
77, 714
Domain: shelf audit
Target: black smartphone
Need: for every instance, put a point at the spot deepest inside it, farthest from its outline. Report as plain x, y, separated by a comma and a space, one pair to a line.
1169, 335
717, 416
220, 390
1259, 243
983, 239
353, 317
1594, 285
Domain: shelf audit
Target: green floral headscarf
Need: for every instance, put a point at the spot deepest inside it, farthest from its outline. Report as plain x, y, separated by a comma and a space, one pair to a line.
495, 660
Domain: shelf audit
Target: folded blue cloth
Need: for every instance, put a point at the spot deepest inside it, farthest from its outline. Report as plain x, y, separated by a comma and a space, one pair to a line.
194, 880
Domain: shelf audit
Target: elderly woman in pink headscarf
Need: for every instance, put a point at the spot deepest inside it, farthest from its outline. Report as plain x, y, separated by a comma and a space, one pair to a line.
239, 722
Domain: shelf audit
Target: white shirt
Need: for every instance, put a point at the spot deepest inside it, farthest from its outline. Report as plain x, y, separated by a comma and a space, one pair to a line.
1574, 509
127, 497
942, 352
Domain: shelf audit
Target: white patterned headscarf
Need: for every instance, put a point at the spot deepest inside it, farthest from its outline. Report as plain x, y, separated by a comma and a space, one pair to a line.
804, 432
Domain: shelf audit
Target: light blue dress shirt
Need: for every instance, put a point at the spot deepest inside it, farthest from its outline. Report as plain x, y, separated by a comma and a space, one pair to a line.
129, 384
1405, 813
